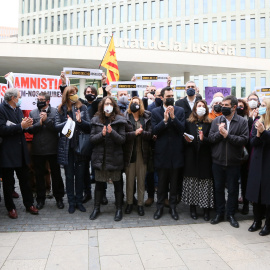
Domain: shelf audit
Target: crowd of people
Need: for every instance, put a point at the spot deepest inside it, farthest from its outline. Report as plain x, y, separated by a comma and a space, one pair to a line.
185, 151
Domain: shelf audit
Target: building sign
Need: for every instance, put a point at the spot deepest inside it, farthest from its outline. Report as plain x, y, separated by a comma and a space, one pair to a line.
211, 48
83, 73
152, 77
30, 85
3, 88
210, 91
128, 86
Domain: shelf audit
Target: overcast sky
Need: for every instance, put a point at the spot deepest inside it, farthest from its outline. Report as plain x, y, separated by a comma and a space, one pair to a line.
9, 11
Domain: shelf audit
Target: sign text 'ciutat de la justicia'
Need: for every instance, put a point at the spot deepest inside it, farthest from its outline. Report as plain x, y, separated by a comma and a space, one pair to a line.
211, 48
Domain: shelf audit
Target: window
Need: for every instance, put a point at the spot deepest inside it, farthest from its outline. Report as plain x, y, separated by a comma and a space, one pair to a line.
169, 33
153, 10
233, 8
34, 26
91, 40
92, 18
243, 29
252, 28
187, 33
40, 25
78, 19
46, 24
233, 30
129, 13
113, 15
65, 3
170, 8
243, 87
47, 4
205, 6
196, 32
23, 6
40, 5
58, 23
22, 30
106, 15
153, 33
205, 32
214, 31
187, 8
85, 19
178, 33
161, 33
137, 11
243, 52
214, 6
58, 41
84, 40
178, 7
243, 4
121, 14
252, 83
137, 34
223, 5
205, 83
145, 36
263, 52
52, 3
196, 7
262, 4
263, 81
59, 3
161, 9
233, 86
145, 10
65, 22
224, 82
121, 34
35, 5
64, 41
52, 23
262, 27
29, 6
129, 36
223, 30
214, 82
252, 4
71, 20
78, 40
253, 52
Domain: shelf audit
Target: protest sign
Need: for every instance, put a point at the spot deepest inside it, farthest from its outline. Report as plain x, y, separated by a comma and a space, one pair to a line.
3, 88
151, 77
83, 73
30, 85
210, 91
262, 91
128, 86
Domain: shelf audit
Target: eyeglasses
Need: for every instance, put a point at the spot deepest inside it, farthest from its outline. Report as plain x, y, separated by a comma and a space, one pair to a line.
255, 99
41, 99
191, 86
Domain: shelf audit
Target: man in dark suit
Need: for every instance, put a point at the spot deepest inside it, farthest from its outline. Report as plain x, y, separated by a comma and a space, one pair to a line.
188, 102
13, 151
168, 124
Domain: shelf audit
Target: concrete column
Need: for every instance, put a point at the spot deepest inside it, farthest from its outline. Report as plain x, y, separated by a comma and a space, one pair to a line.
186, 77
82, 86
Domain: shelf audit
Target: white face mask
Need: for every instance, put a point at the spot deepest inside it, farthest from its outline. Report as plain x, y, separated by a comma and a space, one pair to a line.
201, 111
253, 104
108, 108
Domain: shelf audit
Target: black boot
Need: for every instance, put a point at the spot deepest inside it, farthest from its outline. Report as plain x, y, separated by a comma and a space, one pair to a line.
96, 211
206, 214
193, 212
104, 200
245, 209
265, 230
118, 202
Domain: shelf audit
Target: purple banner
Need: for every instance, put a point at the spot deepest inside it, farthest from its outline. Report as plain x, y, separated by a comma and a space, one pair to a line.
210, 91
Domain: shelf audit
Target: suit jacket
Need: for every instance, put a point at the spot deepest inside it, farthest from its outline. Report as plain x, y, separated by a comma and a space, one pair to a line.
169, 149
185, 105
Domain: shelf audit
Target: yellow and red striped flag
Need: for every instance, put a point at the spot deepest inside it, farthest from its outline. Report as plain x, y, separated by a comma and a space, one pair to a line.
110, 63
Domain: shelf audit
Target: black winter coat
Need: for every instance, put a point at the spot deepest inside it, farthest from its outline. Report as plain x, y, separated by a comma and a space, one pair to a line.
45, 139
108, 149
131, 137
64, 142
259, 174
169, 148
198, 160
13, 149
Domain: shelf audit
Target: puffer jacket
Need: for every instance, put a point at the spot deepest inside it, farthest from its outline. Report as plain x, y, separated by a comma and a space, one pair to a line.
108, 149
131, 137
64, 142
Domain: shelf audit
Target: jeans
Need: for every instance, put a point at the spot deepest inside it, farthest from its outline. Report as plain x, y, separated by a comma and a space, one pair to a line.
229, 175
74, 169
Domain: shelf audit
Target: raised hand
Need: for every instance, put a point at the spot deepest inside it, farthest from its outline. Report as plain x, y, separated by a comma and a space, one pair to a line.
78, 116
109, 129
104, 130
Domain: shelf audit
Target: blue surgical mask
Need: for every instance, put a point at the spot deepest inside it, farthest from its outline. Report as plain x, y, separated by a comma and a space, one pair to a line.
18, 104
262, 110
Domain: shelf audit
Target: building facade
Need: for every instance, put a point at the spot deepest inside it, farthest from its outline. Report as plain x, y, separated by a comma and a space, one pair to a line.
242, 24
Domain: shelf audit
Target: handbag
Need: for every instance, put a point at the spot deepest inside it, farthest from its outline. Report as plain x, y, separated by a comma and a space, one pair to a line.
84, 145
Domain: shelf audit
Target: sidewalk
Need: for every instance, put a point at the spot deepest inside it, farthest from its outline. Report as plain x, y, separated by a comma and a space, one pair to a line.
194, 246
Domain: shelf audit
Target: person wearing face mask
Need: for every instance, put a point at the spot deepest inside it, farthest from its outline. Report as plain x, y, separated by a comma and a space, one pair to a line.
228, 134
215, 105
253, 103
258, 188
198, 186
13, 151
138, 152
187, 103
44, 149
122, 97
74, 163
157, 102
168, 124
108, 136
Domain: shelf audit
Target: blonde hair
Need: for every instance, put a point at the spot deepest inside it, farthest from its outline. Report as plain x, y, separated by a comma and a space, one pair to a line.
265, 118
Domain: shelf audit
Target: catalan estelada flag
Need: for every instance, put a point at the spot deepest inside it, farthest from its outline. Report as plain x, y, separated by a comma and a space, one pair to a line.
110, 62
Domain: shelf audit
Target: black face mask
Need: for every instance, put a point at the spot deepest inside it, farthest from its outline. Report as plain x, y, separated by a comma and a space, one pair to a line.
158, 101
217, 108
169, 101
134, 107
190, 92
90, 97
226, 111
152, 92
41, 104
240, 111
